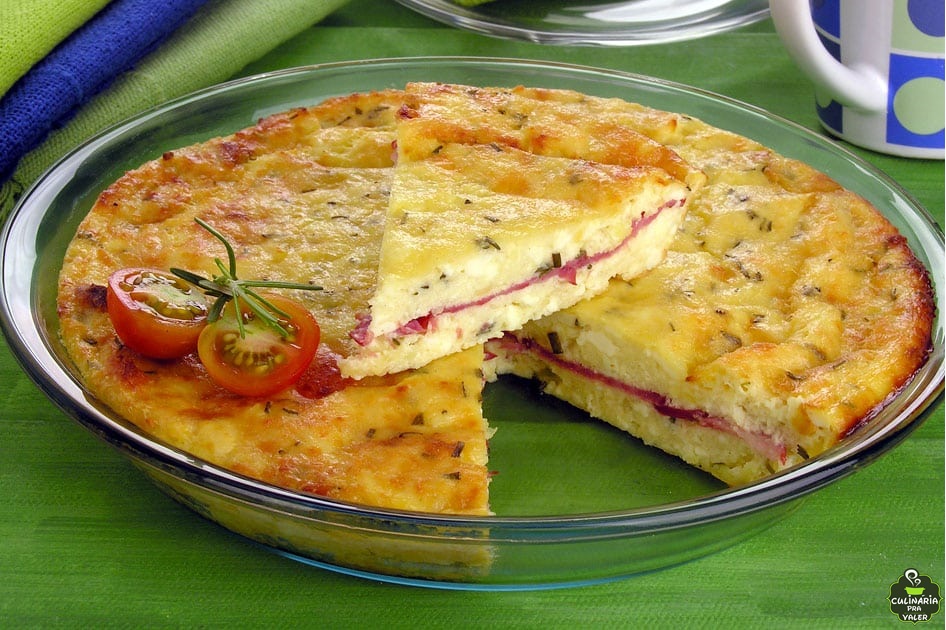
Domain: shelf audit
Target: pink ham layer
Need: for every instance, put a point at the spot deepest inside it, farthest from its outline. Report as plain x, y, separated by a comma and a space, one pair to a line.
759, 442
567, 272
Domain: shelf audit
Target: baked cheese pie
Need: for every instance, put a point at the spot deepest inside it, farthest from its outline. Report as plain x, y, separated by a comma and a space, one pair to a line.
783, 313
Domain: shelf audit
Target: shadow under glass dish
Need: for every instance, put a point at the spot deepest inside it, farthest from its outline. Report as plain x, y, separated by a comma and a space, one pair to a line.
573, 502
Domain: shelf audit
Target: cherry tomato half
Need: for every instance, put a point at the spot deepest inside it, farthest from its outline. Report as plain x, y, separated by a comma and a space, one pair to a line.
263, 362
155, 313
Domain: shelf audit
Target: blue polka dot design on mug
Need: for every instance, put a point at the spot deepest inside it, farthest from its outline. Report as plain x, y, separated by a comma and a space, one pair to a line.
916, 88
916, 97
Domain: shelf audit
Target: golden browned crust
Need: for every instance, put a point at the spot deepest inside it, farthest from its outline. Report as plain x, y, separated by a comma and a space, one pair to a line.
539, 121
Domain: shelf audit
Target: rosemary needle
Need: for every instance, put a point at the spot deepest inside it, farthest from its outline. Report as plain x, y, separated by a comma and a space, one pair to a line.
227, 286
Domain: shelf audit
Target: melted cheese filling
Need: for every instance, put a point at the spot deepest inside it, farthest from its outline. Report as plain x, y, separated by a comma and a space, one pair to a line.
762, 443
567, 272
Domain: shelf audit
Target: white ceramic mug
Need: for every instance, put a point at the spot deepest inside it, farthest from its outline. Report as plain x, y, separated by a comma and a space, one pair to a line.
878, 69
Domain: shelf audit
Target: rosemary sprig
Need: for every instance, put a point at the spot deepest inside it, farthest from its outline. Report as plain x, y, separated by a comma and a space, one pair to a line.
227, 286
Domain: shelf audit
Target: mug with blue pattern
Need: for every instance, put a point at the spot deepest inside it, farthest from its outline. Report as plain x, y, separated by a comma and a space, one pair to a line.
877, 66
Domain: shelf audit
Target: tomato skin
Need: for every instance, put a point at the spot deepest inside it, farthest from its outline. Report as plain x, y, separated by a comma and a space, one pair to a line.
155, 313
263, 362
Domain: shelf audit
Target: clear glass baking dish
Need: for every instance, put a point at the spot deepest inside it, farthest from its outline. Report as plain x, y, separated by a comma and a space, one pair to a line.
577, 502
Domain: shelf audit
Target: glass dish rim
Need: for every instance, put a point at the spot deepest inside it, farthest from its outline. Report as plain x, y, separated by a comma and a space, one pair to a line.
782, 487
468, 18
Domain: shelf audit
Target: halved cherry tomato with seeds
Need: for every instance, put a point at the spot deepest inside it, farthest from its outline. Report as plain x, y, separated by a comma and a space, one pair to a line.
156, 313
258, 360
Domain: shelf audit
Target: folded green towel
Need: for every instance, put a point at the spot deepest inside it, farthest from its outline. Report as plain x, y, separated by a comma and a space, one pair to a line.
223, 37
29, 29
82, 65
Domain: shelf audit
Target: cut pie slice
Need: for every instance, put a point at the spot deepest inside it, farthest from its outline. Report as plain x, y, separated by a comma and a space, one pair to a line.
786, 313
487, 228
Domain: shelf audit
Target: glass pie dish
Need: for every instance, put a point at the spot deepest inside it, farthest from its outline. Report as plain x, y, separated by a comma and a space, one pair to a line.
576, 501
624, 23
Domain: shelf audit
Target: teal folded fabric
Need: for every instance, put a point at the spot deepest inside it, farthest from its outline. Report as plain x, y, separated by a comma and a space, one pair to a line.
223, 37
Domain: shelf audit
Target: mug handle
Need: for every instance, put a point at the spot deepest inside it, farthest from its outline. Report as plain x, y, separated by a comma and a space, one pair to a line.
862, 88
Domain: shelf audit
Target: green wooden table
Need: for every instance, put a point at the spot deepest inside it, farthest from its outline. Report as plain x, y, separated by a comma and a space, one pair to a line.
86, 541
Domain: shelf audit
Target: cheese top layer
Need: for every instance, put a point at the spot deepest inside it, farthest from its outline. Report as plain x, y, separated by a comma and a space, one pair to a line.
539, 121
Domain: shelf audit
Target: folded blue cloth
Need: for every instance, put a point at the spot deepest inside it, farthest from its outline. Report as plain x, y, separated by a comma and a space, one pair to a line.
107, 45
